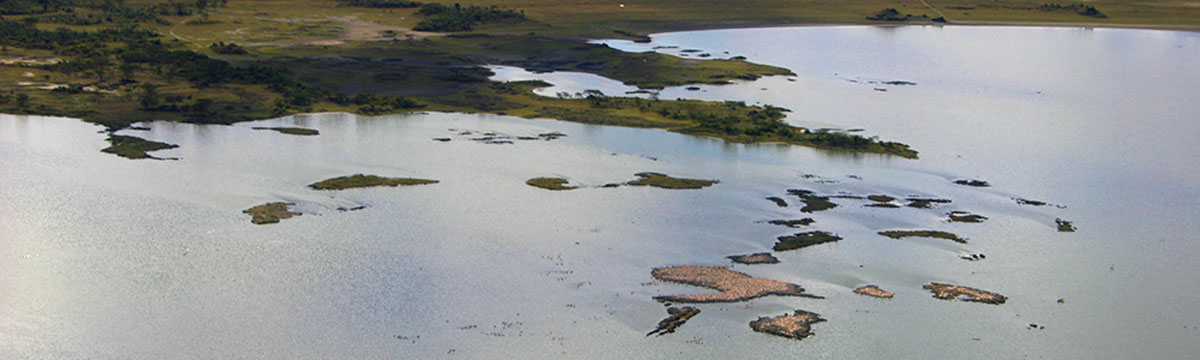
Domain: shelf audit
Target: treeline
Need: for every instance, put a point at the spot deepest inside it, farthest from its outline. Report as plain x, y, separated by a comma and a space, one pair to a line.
93, 12
1081, 9
444, 18
380, 4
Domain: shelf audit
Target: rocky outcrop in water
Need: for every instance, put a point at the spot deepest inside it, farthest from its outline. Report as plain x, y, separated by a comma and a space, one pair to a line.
796, 326
952, 292
733, 286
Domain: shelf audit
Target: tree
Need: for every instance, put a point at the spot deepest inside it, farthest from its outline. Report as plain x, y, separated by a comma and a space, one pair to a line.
149, 98
22, 100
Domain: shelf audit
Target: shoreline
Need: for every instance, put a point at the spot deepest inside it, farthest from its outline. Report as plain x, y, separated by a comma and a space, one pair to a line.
678, 28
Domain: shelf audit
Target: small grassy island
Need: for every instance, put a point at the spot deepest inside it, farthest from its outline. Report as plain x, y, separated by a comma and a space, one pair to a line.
796, 326
667, 182
899, 234
733, 286
361, 181
131, 147
797, 223
270, 213
557, 184
1064, 225
804, 239
751, 259
290, 130
812, 202
965, 217
676, 316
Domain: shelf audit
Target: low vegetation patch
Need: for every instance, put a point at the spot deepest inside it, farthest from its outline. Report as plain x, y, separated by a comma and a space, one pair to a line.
899, 234
549, 183
131, 147
965, 217
667, 182
751, 259
676, 316
972, 182
793, 223
804, 239
1064, 225
812, 202
360, 181
290, 130
270, 213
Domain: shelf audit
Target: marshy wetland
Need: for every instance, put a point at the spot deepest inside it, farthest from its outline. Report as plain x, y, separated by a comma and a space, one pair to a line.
159, 253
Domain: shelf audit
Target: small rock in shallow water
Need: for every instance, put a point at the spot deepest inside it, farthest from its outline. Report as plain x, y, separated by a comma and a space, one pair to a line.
796, 326
875, 291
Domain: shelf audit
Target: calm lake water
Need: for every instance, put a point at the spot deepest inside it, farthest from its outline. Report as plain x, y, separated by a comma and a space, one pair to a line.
103, 257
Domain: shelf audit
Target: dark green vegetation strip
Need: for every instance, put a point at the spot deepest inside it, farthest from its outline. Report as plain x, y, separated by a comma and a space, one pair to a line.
131, 147
270, 213
966, 217
549, 183
793, 223
667, 182
291, 130
360, 180
676, 316
972, 182
804, 239
897, 234
752, 259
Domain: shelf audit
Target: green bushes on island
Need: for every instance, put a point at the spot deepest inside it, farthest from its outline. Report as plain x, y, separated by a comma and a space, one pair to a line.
290, 130
131, 147
549, 183
804, 239
666, 182
270, 213
360, 181
897, 234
